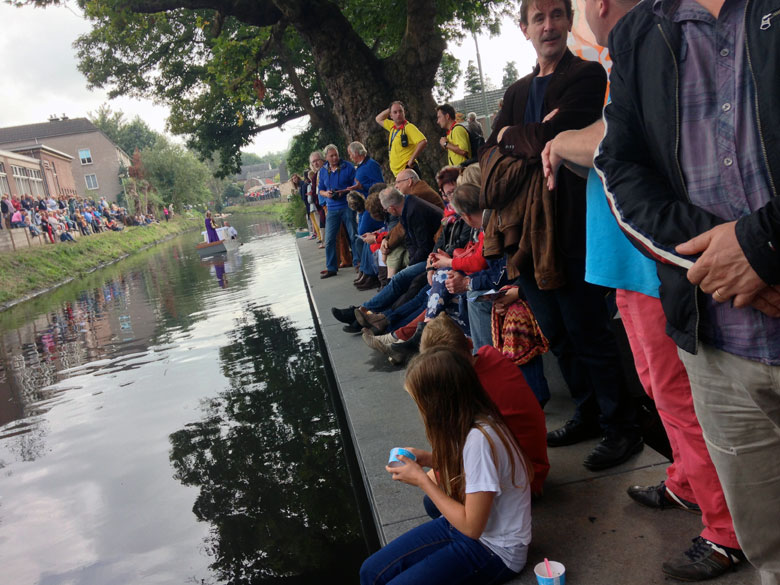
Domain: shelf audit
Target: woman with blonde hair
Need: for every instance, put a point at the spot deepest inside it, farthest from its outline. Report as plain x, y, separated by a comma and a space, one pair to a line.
481, 485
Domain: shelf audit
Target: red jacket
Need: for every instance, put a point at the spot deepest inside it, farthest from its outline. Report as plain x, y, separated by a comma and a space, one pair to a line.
470, 258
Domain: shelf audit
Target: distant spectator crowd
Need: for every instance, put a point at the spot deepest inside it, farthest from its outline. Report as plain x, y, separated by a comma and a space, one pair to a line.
263, 194
58, 218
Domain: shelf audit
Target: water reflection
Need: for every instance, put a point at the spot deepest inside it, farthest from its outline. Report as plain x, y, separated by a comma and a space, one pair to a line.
260, 457
156, 426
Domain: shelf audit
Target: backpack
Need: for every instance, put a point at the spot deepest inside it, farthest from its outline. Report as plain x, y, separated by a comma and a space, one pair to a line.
475, 140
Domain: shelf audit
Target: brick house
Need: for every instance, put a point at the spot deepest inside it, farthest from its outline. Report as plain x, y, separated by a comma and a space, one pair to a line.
20, 175
96, 160
56, 169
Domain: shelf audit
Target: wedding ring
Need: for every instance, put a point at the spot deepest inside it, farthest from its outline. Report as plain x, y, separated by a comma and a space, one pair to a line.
717, 296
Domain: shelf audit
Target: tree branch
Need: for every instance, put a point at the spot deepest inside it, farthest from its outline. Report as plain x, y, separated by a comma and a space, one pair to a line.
295, 81
255, 12
281, 121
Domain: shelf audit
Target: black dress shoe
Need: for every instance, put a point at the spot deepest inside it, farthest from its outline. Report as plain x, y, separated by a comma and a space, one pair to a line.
612, 451
572, 432
328, 274
344, 315
353, 327
661, 498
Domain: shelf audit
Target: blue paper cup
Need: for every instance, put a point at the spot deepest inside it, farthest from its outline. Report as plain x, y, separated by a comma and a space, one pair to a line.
558, 574
394, 453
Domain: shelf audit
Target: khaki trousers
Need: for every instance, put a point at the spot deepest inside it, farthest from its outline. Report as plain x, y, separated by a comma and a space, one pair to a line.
738, 405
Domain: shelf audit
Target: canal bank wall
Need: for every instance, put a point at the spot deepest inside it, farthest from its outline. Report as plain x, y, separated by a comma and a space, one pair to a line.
30, 272
584, 519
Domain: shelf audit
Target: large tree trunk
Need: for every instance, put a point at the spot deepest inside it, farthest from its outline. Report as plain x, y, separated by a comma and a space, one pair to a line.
361, 86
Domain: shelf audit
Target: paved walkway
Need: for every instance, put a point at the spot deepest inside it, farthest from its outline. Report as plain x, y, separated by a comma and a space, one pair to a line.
584, 519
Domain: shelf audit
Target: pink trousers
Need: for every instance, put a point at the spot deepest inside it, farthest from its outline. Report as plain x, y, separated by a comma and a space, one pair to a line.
691, 475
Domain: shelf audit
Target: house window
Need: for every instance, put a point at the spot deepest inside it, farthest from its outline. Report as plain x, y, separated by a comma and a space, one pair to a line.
5, 188
36, 182
21, 180
86, 156
92, 182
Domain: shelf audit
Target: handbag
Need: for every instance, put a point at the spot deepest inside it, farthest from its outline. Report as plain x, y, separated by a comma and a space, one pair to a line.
517, 335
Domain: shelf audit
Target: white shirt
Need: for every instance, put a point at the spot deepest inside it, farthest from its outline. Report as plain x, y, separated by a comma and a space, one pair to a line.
508, 529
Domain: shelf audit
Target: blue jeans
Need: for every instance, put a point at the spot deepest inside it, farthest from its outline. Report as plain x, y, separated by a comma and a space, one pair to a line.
434, 553
480, 315
367, 257
575, 320
395, 288
404, 314
332, 225
533, 371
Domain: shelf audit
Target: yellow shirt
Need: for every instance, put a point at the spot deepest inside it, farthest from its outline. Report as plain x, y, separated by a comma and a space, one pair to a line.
459, 136
400, 155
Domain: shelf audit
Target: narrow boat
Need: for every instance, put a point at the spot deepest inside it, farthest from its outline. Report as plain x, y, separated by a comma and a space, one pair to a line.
224, 245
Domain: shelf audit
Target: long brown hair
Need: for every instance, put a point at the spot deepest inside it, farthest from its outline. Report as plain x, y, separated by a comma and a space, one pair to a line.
452, 401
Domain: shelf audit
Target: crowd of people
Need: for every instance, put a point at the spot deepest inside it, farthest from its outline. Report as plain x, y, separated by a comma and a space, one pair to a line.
264, 194
58, 218
514, 250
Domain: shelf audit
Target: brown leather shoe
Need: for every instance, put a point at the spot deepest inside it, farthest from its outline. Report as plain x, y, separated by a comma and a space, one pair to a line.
369, 283
376, 322
360, 276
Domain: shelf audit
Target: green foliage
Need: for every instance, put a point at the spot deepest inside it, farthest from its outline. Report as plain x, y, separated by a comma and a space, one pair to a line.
510, 74
447, 78
272, 158
232, 191
295, 213
472, 80
311, 139
127, 135
250, 158
176, 174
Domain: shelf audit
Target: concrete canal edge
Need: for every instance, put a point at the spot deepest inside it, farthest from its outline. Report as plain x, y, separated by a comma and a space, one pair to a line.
584, 519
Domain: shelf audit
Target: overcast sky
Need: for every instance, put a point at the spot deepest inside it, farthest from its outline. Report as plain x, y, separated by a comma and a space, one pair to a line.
40, 77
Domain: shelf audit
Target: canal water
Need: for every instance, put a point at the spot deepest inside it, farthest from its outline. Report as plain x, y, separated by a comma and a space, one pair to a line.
168, 420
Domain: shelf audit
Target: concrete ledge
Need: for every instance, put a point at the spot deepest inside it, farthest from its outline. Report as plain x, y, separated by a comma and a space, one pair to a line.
584, 520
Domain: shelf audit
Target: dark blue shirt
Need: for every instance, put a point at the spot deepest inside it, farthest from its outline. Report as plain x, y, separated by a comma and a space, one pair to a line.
366, 224
341, 178
368, 173
535, 104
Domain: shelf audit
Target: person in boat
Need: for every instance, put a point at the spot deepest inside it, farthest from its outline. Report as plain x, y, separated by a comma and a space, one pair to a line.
211, 229
232, 233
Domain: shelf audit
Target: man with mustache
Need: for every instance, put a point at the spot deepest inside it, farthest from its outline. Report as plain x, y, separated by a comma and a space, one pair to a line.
562, 93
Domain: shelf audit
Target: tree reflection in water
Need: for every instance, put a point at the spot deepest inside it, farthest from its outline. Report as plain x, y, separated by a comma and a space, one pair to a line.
269, 462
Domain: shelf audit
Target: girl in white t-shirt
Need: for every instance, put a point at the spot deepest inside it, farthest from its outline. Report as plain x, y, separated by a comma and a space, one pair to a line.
481, 485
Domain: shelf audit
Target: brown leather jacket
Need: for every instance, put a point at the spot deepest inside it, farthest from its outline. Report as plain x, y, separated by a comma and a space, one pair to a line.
522, 223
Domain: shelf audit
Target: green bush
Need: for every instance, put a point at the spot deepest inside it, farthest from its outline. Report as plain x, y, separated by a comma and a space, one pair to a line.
295, 213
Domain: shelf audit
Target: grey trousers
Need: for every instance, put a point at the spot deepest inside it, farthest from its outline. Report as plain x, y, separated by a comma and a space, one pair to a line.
737, 402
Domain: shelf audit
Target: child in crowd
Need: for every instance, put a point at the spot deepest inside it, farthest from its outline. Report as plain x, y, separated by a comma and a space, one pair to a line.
481, 485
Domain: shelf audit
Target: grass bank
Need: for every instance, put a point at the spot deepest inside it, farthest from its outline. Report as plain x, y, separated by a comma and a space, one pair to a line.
28, 272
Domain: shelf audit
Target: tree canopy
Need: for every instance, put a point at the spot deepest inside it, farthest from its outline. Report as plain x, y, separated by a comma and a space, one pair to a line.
510, 74
228, 69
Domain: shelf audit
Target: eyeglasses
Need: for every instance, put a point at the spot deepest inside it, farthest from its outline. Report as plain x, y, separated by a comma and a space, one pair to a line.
399, 181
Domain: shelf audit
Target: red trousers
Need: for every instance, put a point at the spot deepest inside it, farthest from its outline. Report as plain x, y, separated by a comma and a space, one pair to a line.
691, 475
